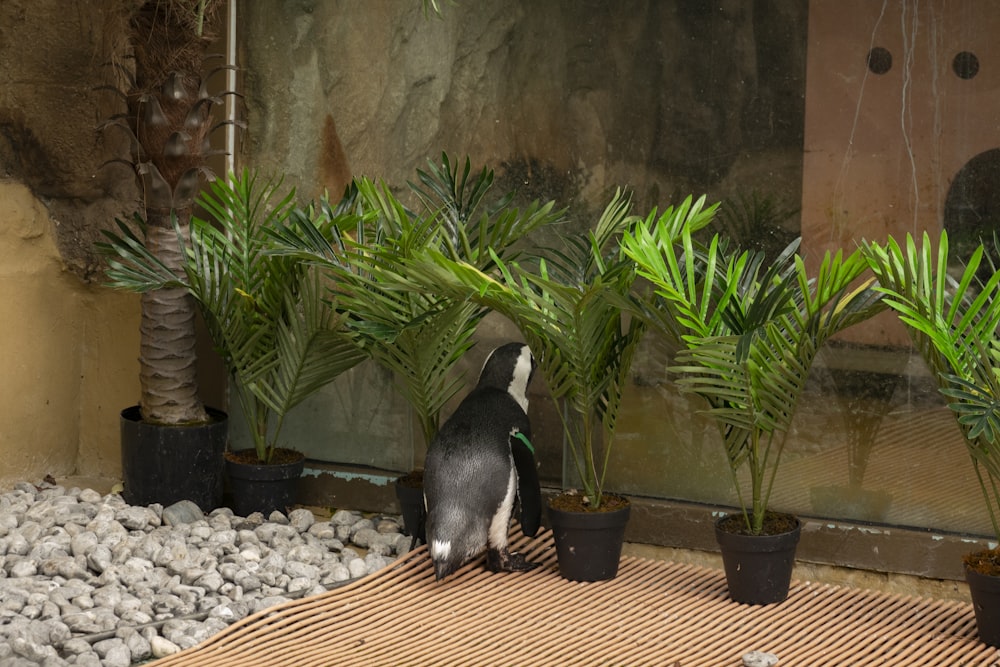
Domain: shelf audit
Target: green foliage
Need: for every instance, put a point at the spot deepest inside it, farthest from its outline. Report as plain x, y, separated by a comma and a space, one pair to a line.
269, 315
953, 323
420, 335
566, 303
747, 329
755, 221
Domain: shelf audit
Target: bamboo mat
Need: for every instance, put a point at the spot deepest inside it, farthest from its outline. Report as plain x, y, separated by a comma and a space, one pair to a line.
655, 613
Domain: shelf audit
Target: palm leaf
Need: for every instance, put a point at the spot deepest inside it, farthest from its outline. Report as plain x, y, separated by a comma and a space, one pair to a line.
747, 330
953, 323
131, 264
566, 306
977, 410
419, 334
312, 349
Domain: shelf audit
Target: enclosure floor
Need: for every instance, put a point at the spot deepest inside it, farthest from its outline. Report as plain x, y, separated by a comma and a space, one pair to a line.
653, 613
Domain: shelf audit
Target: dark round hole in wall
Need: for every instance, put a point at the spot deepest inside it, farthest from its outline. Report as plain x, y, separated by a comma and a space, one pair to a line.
965, 64
879, 60
972, 207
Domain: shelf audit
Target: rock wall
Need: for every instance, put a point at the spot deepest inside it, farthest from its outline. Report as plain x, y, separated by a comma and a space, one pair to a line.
52, 59
663, 97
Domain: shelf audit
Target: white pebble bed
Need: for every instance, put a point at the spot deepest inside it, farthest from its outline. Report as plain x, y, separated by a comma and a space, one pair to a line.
87, 579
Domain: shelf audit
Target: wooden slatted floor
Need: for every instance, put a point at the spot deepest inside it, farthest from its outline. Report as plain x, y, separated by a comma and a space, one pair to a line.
653, 613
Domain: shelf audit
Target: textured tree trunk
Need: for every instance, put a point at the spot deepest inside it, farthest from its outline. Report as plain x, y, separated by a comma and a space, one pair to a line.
167, 357
172, 119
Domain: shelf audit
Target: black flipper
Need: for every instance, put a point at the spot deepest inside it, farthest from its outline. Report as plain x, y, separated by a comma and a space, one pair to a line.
529, 490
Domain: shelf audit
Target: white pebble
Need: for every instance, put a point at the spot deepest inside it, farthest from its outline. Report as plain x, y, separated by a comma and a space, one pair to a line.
23, 568
162, 647
759, 659
365, 537
322, 531
339, 572
357, 568
301, 519
344, 518
76, 563
90, 496
138, 647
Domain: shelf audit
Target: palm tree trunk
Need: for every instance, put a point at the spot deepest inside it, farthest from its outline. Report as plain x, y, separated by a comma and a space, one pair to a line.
172, 120
167, 358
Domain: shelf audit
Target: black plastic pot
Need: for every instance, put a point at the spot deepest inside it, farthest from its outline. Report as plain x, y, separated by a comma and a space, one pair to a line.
166, 464
263, 488
758, 567
588, 544
985, 591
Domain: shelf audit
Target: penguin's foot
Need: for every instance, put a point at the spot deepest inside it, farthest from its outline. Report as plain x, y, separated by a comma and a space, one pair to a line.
503, 560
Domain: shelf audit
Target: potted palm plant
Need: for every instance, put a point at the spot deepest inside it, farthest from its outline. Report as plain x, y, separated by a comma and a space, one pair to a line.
565, 305
280, 335
953, 322
417, 335
747, 331
171, 443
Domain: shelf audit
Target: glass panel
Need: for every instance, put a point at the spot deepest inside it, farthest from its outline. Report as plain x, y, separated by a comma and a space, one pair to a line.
868, 445
359, 418
835, 120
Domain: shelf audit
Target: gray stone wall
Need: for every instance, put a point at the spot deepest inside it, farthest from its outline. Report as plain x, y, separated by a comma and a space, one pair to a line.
663, 97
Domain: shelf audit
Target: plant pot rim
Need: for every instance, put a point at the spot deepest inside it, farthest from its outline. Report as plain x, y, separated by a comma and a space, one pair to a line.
413, 478
743, 541
623, 502
975, 561
974, 573
718, 525
231, 457
133, 413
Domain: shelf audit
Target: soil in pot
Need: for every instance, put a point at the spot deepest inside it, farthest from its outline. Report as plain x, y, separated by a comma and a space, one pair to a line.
982, 572
265, 488
588, 542
165, 464
410, 494
758, 567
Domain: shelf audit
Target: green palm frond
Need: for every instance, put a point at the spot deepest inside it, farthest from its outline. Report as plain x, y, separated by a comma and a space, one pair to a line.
456, 197
419, 334
422, 356
566, 305
685, 280
270, 315
131, 264
310, 349
469, 227
977, 410
954, 325
747, 329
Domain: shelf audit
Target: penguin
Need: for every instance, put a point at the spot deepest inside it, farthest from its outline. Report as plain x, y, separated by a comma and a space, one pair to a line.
479, 463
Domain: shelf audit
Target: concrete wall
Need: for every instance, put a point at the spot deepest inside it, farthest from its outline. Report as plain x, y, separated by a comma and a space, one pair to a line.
68, 346
68, 353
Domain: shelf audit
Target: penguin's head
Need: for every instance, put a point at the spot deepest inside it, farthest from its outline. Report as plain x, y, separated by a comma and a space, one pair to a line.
510, 368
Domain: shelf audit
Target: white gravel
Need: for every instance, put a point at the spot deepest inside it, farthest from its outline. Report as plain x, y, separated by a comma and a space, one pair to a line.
86, 579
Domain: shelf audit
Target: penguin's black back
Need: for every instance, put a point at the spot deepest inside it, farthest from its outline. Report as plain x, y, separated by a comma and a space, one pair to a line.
471, 463
472, 449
